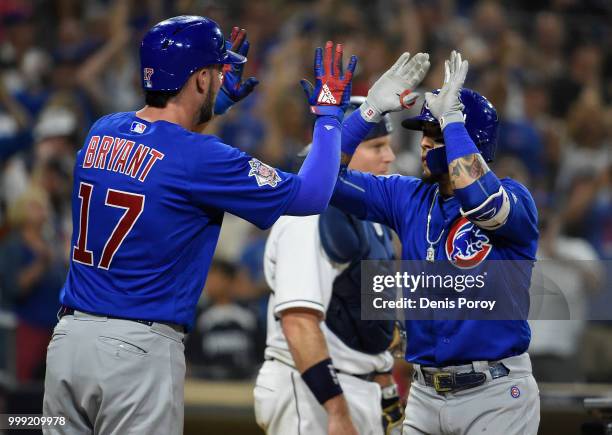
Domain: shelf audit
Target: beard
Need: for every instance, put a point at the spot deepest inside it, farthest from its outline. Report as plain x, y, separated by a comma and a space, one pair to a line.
206, 111
430, 178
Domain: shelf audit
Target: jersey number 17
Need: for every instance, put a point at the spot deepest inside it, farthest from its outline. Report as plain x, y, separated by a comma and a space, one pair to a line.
132, 203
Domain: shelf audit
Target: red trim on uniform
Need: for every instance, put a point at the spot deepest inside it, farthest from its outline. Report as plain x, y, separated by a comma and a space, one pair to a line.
115, 150
123, 157
136, 160
155, 155
90, 154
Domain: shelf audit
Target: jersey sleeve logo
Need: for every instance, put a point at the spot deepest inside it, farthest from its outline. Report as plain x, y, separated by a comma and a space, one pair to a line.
466, 245
147, 73
264, 174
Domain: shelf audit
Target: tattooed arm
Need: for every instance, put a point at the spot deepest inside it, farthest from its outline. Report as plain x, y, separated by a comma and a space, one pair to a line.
483, 198
467, 169
501, 206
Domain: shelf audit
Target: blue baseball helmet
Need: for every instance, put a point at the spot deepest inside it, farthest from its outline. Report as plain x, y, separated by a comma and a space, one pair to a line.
177, 47
480, 121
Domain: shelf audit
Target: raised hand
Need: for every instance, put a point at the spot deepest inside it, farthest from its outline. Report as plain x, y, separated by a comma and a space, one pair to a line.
233, 88
331, 92
446, 106
394, 90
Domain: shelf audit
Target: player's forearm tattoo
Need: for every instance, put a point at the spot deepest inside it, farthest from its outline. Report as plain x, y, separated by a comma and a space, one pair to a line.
467, 169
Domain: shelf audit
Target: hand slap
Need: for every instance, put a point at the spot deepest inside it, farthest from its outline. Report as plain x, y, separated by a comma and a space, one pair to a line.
233, 89
446, 106
332, 84
394, 90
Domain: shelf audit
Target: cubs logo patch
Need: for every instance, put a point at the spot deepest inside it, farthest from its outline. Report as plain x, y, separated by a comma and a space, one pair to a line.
515, 392
466, 245
147, 73
264, 174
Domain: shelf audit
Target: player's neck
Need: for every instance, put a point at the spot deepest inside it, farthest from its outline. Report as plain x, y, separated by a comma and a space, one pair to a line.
171, 113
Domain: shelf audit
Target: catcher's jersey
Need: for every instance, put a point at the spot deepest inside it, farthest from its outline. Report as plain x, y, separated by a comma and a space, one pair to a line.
301, 276
147, 206
403, 203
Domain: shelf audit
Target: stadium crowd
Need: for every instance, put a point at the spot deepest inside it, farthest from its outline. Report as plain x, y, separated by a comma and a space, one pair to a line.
545, 65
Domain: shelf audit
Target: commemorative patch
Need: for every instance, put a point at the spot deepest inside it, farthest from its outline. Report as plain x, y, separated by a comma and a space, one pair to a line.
515, 392
264, 174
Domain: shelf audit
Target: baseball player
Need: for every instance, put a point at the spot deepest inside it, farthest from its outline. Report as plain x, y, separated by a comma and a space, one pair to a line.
471, 376
148, 203
322, 361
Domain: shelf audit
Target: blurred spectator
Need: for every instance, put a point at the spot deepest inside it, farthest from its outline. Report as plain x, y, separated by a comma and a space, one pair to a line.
225, 338
572, 265
584, 178
548, 56
546, 66
32, 270
584, 71
14, 123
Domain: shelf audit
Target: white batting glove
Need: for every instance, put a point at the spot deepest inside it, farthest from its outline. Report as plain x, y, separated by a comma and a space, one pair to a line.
393, 91
446, 106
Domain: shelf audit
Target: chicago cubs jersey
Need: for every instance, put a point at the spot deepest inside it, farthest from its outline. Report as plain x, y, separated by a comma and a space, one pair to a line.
301, 275
403, 203
147, 207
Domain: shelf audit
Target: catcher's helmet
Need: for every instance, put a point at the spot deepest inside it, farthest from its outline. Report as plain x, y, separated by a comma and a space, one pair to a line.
177, 47
480, 121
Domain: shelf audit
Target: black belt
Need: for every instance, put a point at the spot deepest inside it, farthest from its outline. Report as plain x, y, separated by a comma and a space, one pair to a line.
67, 311
369, 377
447, 382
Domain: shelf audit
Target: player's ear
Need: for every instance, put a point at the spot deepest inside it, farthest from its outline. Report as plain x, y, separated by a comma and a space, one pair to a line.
202, 77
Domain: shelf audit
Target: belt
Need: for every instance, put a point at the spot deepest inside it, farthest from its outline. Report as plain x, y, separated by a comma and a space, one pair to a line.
369, 377
67, 311
447, 381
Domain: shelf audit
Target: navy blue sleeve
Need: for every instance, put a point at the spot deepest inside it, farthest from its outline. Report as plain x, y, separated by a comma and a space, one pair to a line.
320, 169
341, 239
380, 199
227, 179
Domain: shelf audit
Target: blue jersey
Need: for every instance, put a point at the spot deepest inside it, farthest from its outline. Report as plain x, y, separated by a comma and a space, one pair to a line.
403, 204
147, 207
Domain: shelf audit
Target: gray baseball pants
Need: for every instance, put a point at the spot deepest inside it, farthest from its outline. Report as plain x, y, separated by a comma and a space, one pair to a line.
115, 377
508, 405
